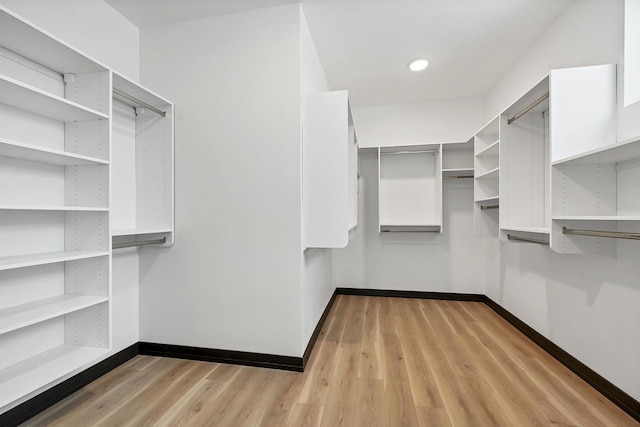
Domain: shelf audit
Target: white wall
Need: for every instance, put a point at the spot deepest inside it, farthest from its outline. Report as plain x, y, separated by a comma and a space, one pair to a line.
317, 285
232, 279
414, 261
91, 26
588, 305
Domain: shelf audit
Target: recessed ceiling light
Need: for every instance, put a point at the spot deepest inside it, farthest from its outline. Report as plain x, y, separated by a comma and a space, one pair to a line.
418, 64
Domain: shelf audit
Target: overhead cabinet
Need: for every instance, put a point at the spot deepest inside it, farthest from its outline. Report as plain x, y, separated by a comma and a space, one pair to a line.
329, 169
57, 195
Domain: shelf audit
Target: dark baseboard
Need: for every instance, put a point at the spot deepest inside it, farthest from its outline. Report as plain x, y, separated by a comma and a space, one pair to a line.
262, 360
410, 294
604, 386
316, 331
44, 400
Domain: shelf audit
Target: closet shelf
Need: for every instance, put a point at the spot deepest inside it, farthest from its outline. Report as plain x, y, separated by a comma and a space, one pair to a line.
493, 173
139, 231
30, 375
23, 315
35, 153
52, 208
29, 98
596, 218
491, 150
619, 152
489, 199
20, 261
458, 171
429, 228
540, 230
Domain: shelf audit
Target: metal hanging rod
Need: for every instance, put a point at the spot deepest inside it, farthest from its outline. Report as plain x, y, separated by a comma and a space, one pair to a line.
484, 208
529, 108
527, 239
596, 233
137, 101
139, 243
457, 176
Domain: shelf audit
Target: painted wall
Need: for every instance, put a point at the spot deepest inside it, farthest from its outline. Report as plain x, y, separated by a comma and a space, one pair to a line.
317, 283
588, 305
232, 279
91, 26
408, 261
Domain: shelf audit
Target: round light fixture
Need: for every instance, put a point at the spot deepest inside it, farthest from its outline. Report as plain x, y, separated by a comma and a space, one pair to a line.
418, 64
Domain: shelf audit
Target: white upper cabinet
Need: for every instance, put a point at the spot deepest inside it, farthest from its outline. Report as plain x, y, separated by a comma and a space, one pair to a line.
329, 169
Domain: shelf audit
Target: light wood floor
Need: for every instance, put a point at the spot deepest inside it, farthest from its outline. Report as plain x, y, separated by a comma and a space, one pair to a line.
378, 362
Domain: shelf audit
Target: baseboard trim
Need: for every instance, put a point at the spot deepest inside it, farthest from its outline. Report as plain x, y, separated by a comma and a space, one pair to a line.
262, 360
316, 331
44, 400
601, 384
449, 296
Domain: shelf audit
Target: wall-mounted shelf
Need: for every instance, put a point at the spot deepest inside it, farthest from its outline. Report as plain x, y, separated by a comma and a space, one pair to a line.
541, 230
491, 150
486, 187
410, 228
31, 260
458, 172
618, 152
52, 208
31, 152
493, 173
34, 100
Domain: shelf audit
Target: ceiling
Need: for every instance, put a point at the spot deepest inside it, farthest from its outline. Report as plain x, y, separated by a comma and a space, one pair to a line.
365, 45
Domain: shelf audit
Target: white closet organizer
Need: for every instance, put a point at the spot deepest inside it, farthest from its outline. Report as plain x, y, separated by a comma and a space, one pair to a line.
330, 170
594, 177
410, 188
525, 208
55, 283
487, 179
143, 166
457, 160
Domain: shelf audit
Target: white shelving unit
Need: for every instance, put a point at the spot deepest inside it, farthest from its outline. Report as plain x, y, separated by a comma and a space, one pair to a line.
525, 207
55, 263
143, 165
330, 170
410, 188
487, 179
457, 159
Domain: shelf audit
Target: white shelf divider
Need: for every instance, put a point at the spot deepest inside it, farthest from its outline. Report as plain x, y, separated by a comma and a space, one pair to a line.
493, 173
541, 230
52, 208
31, 260
34, 153
491, 150
489, 199
30, 375
596, 218
24, 315
29, 98
458, 171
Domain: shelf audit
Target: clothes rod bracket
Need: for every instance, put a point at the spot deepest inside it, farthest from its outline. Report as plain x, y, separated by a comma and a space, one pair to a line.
139, 102
597, 233
529, 108
527, 240
139, 243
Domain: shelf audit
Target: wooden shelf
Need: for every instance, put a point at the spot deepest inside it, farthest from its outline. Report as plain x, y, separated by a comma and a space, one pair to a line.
619, 152
596, 218
493, 173
25, 377
34, 153
21, 261
491, 150
23, 315
52, 208
29, 98
540, 230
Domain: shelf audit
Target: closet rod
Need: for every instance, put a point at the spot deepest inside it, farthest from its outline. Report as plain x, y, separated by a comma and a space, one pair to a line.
529, 108
137, 101
596, 233
527, 239
457, 176
140, 243
484, 208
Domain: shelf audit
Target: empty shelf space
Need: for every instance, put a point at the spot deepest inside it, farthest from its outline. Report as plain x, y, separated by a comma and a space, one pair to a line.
21, 261
52, 208
23, 315
35, 153
491, 150
25, 377
29, 98
620, 152
540, 230
596, 218
493, 173
457, 172
489, 200
410, 228
139, 231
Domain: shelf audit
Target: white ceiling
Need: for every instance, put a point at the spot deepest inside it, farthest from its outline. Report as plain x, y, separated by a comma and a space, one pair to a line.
365, 45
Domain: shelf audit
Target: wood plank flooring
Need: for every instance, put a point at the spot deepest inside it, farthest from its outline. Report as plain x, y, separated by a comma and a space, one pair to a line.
378, 362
